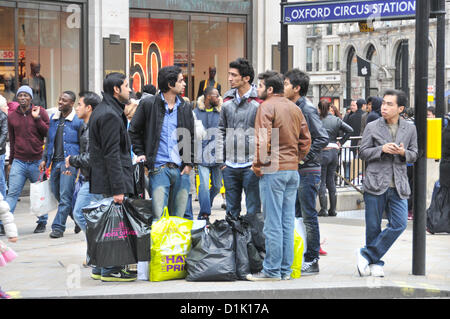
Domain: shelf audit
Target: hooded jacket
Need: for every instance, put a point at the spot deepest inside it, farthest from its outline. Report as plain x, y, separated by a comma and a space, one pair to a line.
236, 138
205, 148
376, 110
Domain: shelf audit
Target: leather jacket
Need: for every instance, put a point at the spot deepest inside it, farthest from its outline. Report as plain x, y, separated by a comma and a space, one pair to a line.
334, 125
81, 161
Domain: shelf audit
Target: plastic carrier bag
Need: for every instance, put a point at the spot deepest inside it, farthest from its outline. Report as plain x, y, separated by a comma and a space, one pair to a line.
170, 243
298, 255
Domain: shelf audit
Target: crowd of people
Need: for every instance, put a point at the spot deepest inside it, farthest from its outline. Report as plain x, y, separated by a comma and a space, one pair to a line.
267, 141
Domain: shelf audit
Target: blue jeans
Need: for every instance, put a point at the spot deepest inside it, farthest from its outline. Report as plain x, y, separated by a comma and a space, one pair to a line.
278, 192
169, 188
19, 173
307, 195
2, 176
63, 186
84, 198
235, 180
378, 242
206, 195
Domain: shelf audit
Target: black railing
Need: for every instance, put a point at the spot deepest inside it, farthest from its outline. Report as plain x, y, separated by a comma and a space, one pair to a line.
350, 170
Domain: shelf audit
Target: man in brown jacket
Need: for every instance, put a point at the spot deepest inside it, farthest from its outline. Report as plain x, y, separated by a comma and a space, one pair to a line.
282, 141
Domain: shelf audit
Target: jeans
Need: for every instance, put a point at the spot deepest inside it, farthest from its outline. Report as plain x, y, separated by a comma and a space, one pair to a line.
206, 195
63, 186
84, 198
278, 192
2, 176
328, 164
378, 242
20, 172
236, 179
307, 194
169, 188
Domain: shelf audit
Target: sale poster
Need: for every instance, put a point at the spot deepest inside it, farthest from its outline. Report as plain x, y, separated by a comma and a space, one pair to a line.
151, 48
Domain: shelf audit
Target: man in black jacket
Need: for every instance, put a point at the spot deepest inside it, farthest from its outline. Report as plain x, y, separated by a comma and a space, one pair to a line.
295, 89
86, 104
111, 172
162, 134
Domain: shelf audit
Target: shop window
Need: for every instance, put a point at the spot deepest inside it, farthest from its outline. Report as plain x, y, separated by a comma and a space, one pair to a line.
48, 51
199, 44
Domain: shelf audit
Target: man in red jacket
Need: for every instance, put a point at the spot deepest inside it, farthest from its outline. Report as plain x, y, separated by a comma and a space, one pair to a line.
28, 126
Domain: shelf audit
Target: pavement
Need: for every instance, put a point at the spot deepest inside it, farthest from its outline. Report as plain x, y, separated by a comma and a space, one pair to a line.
52, 268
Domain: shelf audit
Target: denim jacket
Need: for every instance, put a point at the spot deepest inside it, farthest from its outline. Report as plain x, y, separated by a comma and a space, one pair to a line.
71, 136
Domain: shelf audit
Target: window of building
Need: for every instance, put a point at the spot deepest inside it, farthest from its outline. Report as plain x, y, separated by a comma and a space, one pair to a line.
338, 57
330, 58
40, 49
309, 63
196, 43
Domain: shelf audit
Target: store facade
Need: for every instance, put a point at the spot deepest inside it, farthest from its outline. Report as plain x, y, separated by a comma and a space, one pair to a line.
43, 45
195, 35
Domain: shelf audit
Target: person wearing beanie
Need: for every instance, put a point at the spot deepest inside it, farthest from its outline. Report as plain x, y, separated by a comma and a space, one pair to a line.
28, 126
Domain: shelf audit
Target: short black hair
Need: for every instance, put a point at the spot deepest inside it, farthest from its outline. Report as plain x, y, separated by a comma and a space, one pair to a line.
112, 80
90, 98
298, 78
149, 88
402, 100
360, 103
168, 75
208, 90
432, 109
244, 67
72, 95
273, 79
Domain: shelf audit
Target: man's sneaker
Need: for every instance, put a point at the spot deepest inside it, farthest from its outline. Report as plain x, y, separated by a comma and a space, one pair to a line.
121, 275
56, 234
77, 229
362, 264
322, 252
40, 228
261, 277
376, 270
310, 268
286, 277
96, 275
2, 230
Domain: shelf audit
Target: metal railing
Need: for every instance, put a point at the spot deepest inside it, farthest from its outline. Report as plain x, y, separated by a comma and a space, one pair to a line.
350, 170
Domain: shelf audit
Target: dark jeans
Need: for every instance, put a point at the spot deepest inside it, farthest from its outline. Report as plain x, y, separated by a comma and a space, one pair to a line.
235, 180
329, 164
307, 194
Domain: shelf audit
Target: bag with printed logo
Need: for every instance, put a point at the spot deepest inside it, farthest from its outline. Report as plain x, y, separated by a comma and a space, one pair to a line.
170, 244
117, 234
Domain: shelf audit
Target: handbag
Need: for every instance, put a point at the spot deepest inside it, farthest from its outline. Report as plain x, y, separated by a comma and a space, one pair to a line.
42, 200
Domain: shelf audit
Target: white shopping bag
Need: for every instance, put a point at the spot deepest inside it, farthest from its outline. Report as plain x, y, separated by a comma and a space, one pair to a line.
301, 230
142, 270
42, 200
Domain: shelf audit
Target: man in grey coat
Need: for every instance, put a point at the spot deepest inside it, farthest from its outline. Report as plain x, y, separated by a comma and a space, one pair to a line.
388, 144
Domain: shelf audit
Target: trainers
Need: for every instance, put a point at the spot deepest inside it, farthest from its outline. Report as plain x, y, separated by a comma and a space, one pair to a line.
322, 252
77, 229
40, 228
261, 277
95, 275
56, 234
362, 264
376, 270
121, 275
310, 268
286, 277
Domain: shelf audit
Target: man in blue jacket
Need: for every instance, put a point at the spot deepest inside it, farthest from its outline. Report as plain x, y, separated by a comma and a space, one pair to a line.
208, 111
295, 89
62, 141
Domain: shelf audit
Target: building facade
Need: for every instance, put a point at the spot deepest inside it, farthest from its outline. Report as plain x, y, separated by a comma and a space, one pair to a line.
72, 44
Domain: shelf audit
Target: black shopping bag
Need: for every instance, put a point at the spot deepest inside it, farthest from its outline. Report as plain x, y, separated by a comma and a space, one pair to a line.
438, 214
139, 180
117, 234
212, 254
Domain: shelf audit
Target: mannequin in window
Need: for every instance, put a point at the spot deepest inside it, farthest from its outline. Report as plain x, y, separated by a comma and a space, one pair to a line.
9, 92
209, 82
37, 83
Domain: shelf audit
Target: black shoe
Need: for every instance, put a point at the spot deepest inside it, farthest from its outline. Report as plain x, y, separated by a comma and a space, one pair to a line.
121, 275
224, 206
77, 229
330, 213
40, 228
56, 234
2, 230
310, 268
322, 213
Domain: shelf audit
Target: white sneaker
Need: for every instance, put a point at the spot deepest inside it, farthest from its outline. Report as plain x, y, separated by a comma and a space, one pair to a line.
376, 270
362, 264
